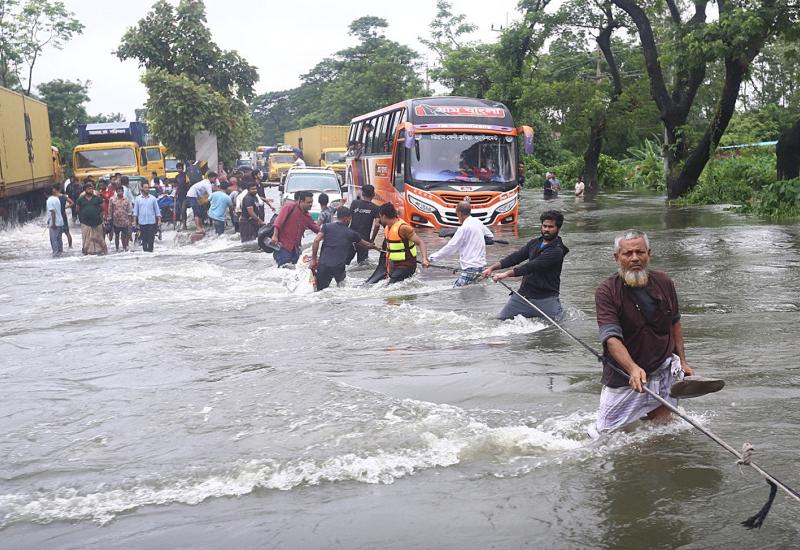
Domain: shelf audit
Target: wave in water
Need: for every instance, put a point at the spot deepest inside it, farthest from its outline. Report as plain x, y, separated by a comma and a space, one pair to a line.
464, 440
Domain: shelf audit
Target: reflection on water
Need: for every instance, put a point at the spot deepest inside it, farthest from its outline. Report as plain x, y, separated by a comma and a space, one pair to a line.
199, 396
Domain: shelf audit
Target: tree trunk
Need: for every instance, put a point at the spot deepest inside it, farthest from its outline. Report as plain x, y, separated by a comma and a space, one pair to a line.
788, 153
682, 177
591, 159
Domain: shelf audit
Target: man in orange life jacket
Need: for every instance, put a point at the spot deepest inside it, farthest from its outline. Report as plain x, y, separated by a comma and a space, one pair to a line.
401, 245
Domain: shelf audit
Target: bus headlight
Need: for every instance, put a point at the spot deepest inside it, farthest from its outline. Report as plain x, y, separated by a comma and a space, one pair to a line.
421, 206
507, 207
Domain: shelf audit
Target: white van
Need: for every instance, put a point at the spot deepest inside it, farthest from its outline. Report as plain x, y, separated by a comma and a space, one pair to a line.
316, 180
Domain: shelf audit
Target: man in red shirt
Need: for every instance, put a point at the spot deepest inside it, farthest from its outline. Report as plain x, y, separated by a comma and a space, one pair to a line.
290, 225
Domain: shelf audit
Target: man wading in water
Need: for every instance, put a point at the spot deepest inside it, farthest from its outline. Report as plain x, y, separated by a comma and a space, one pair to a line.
469, 242
541, 274
640, 327
401, 244
337, 241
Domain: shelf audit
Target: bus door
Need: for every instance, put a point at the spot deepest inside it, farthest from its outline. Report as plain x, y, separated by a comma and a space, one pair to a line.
152, 159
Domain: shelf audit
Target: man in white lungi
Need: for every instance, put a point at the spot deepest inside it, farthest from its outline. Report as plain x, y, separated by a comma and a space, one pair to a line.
640, 327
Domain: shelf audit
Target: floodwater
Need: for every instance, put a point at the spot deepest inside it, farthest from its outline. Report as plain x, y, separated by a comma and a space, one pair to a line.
198, 397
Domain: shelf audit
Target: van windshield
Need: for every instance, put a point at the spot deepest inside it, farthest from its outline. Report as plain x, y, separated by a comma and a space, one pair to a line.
106, 158
312, 182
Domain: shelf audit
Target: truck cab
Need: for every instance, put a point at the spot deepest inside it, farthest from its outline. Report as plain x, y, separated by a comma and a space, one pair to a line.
116, 147
335, 159
281, 161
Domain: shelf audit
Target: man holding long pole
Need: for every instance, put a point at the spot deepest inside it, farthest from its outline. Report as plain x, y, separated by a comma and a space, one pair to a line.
640, 327
541, 261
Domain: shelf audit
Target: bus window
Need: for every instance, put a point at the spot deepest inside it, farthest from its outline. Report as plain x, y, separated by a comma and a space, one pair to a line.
380, 136
367, 135
399, 165
386, 137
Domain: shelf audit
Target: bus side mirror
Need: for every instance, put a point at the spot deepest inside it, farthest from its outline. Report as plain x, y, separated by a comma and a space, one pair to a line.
527, 133
409, 130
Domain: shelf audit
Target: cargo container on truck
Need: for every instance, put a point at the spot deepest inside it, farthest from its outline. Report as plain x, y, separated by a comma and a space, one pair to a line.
29, 164
106, 148
314, 140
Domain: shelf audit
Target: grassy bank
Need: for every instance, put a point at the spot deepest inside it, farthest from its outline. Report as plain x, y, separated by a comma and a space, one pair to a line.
746, 180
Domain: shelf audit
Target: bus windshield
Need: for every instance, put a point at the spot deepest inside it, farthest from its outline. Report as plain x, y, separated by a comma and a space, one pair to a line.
171, 165
334, 157
106, 158
463, 158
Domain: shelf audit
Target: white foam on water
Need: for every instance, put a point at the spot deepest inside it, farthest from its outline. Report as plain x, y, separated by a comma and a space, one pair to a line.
451, 326
426, 436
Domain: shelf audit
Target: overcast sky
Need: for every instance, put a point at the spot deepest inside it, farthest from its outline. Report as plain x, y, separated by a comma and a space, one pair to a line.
282, 39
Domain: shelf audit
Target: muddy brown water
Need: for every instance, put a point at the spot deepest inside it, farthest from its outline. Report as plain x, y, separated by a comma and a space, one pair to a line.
199, 397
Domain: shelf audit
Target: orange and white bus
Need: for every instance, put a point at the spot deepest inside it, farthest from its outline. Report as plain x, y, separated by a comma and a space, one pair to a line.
426, 155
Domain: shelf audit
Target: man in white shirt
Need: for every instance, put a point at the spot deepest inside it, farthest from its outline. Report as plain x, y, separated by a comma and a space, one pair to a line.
579, 188
470, 244
198, 196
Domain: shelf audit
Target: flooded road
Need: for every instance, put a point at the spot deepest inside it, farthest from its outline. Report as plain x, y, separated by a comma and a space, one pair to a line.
200, 397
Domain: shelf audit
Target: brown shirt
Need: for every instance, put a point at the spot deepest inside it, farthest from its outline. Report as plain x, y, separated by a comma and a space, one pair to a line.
642, 321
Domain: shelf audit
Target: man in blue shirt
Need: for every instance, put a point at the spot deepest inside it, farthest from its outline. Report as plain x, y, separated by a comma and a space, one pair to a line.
220, 203
147, 215
55, 221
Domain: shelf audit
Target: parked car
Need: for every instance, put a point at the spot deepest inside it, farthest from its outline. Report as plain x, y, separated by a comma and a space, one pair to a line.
316, 180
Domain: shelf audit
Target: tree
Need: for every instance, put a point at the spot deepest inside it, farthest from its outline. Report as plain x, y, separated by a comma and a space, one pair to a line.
192, 84
26, 30
788, 153
373, 73
185, 108
66, 106
677, 60
464, 67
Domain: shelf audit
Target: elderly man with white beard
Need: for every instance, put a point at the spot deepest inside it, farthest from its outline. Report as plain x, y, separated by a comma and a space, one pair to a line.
640, 327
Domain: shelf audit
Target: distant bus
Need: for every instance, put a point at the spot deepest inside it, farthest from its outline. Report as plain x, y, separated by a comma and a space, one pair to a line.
426, 155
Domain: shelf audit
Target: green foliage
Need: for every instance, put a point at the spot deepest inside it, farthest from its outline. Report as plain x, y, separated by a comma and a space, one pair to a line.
610, 173
66, 107
779, 200
372, 74
183, 107
192, 84
645, 167
535, 172
26, 30
764, 123
733, 180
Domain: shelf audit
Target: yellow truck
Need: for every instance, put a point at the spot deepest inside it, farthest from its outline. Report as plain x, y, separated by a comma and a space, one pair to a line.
107, 148
321, 145
29, 164
334, 158
279, 159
